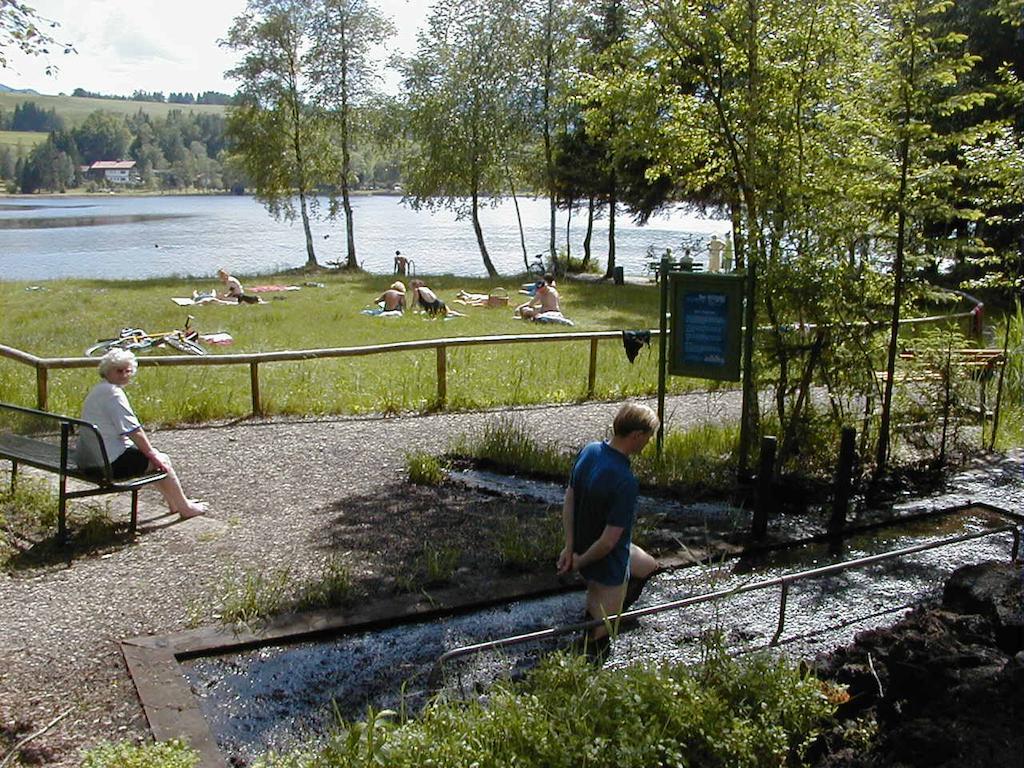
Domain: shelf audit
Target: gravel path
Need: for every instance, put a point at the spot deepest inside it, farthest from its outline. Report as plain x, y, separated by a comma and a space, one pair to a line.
271, 486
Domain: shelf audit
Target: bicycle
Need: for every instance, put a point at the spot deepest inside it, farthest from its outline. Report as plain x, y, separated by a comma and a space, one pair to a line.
137, 340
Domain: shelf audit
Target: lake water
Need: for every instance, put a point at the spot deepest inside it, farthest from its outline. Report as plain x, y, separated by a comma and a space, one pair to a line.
140, 237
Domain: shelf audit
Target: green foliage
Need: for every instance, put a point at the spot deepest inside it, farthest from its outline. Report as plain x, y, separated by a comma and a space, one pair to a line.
731, 714
700, 458
424, 468
509, 445
249, 596
124, 754
522, 543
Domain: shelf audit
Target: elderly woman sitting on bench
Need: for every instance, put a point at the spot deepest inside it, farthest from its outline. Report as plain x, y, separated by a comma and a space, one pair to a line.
128, 448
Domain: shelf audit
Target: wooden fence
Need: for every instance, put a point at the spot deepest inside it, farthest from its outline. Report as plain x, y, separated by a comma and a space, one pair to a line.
43, 365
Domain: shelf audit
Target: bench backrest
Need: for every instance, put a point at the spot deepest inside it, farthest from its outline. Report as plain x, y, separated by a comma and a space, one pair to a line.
56, 431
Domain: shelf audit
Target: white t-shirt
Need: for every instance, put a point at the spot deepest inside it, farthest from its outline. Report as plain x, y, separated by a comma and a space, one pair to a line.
108, 408
234, 287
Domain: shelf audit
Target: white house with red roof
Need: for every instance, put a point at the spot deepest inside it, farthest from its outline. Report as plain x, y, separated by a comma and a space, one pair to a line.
115, 171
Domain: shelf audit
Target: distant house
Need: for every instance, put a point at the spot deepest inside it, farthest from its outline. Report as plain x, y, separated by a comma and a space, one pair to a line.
115, 171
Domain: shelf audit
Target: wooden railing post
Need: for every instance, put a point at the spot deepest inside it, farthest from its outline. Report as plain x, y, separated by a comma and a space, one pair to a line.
254, 386
592, 374
442, 375
41, 393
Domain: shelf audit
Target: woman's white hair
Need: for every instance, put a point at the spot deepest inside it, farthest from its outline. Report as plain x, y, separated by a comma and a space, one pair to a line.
115, 358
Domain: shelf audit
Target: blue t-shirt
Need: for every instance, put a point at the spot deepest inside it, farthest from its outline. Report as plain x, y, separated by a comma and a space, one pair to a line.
604, 493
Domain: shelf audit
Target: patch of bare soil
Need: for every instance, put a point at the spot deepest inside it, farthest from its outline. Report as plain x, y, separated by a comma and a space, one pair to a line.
943, 687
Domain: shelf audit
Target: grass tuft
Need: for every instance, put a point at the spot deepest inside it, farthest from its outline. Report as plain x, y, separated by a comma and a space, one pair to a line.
424, 469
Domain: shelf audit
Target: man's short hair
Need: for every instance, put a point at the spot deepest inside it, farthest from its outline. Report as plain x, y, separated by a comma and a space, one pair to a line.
634, 417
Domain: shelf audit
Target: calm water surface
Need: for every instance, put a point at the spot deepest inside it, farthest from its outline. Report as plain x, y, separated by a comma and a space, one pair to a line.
141, 237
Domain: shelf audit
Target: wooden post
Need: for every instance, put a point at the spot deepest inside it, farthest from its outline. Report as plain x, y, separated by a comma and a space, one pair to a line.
843, 481
663, 269
442, 375
41, 393
763, 498
592, 374
254, 387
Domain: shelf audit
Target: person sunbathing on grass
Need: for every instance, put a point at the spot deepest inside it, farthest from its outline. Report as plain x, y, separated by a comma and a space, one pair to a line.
544, 300
391, 302
429, 302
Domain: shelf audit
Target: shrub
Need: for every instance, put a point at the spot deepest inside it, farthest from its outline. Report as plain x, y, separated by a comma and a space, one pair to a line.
124, 754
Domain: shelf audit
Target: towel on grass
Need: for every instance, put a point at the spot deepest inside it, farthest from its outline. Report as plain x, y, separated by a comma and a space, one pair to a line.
552, 317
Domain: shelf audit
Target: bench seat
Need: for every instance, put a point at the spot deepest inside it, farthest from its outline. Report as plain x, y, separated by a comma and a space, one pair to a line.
53, 452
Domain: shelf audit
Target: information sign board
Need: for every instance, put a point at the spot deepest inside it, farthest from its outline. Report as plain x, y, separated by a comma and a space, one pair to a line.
707, 320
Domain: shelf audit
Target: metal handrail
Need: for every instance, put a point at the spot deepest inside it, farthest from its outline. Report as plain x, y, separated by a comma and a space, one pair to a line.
781, 581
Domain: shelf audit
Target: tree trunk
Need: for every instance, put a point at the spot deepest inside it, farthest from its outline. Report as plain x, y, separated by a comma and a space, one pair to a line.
346, 167
885, 420
311, 262
519, 217
589, 235
488, 265
610, 271
568, 232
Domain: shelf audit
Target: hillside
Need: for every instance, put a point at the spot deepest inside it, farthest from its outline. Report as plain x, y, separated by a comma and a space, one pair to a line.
74, 109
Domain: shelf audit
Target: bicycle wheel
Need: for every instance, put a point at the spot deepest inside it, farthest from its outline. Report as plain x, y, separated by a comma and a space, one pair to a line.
103, 346
185, 345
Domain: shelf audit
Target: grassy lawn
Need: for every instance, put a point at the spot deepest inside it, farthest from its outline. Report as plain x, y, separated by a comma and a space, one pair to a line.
74, 110
21, 139
63, 317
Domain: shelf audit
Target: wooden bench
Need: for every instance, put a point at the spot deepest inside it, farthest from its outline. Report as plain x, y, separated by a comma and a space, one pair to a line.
44, 441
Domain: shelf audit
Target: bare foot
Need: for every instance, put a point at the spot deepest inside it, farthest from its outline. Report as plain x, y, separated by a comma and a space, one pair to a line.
194, 509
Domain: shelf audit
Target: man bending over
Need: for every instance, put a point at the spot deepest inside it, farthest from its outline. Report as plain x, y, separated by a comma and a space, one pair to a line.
598, 515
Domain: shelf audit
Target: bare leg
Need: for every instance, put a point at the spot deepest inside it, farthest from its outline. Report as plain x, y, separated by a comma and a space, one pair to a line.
603, 601
174, 496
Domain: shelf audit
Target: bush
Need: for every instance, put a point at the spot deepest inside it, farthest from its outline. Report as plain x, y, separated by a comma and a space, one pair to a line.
124, 754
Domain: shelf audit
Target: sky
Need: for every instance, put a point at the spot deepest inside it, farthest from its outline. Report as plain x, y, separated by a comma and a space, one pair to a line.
153, 45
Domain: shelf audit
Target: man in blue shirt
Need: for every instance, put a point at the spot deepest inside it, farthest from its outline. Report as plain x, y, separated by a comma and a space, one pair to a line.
598, 515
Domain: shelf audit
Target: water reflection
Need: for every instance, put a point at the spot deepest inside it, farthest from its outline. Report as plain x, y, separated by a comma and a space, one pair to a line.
53, 222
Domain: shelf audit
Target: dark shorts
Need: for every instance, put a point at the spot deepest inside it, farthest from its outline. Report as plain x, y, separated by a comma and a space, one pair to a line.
131, 463
436, 307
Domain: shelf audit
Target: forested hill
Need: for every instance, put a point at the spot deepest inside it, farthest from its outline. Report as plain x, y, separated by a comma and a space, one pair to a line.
74, 109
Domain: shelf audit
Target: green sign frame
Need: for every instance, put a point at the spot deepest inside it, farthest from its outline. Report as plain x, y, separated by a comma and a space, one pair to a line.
707, 325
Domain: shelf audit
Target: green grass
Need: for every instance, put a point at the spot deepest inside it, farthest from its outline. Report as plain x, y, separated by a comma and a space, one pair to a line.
700, 460
21, 141
69, 315
250, 596
424, 469
74, 110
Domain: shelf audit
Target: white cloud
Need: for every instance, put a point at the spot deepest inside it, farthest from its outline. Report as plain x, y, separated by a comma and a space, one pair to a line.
152, 45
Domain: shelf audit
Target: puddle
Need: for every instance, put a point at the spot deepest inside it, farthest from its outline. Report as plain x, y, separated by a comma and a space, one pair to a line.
275, 697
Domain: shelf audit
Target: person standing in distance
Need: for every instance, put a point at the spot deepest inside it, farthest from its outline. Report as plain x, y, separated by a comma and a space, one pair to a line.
598, 515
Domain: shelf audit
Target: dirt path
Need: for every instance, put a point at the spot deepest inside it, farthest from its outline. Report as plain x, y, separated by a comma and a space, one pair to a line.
276, 491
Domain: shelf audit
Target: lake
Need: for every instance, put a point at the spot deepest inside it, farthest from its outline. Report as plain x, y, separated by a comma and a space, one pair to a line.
130, 237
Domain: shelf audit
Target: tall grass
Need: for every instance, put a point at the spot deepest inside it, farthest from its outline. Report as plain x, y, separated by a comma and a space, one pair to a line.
736, 714
67, 315
702, 458
252, 595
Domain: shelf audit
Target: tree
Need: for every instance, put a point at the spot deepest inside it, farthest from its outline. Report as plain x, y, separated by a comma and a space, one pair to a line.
22, 28
917, 76
278, 137
344, 77
464, 90
102, 136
